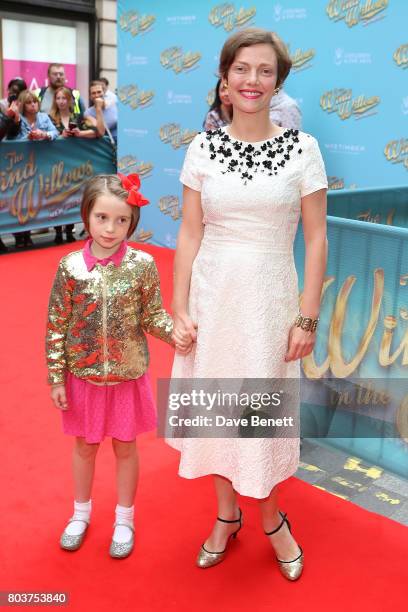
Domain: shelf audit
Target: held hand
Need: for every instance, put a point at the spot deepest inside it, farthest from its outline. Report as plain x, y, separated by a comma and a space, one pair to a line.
182, 341
59, 397
183, 325
76, 132
66, 133
300, 343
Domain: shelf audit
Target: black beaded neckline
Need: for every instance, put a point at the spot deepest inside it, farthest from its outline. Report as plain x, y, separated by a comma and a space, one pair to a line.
247, 159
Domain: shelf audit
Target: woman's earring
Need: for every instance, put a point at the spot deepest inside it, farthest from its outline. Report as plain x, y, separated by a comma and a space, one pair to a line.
276, 91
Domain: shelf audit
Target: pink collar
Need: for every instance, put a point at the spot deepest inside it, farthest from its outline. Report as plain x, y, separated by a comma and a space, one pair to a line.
91, 260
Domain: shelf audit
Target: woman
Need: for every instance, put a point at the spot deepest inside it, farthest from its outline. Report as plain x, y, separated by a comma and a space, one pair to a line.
220, 112
62, 115
235, 285
34, 125
69, 124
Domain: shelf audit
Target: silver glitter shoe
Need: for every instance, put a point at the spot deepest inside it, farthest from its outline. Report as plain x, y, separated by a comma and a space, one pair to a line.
73, 542
121, 550
292, 570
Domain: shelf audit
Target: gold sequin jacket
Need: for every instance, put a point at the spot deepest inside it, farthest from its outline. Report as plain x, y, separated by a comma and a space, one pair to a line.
97, 319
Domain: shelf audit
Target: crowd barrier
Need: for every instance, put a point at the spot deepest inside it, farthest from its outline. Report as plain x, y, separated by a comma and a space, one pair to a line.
388, 206
355, 381
41, 183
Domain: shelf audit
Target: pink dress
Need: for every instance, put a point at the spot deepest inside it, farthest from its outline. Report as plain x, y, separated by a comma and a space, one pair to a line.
121, 411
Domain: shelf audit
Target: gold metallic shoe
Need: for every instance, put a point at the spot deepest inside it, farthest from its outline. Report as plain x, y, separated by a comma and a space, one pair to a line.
73, 542
121, 550
207, 558
292, 570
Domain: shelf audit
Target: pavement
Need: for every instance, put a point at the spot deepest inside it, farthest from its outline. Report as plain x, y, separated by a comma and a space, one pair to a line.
354, 480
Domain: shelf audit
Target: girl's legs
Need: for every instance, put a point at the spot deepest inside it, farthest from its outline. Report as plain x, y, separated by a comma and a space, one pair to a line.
283, 542
83, 464
227, 509
127, 473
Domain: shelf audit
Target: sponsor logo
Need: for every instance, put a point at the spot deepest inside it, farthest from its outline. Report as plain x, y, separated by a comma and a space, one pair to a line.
228, 17
173, 134
350, 57
170, 205
135, 23
174, 59
354, 12
129, 164
136, 132
341, 102
136, 60
401, 56
284, 14
134, 97
174, 98
181, 19
171, 171
335, 182
302, 59
396, 152
143, 235
351, 149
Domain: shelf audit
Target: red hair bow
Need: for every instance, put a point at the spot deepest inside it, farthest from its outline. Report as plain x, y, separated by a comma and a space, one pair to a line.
131, 183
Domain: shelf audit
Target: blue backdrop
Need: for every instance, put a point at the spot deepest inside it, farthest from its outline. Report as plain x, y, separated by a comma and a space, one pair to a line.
349, 78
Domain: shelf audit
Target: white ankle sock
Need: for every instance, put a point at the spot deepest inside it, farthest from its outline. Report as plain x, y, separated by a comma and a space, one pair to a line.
122, 533
82, 512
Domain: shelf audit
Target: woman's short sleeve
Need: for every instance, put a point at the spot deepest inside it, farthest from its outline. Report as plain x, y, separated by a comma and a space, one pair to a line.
191, 172
313, 172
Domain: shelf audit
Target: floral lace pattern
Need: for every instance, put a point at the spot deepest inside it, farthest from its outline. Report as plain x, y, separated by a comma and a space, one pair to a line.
247, 159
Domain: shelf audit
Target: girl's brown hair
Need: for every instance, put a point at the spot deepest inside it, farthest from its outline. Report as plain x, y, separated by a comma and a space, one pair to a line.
255, 36
106, 184
54, 112
27, 96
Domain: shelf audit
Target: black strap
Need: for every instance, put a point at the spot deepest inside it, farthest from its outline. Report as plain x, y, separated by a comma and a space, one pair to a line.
284, 520
238, 520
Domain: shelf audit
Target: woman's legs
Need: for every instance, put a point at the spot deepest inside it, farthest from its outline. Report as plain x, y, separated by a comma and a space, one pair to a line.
283, 542
228, 510
83, 463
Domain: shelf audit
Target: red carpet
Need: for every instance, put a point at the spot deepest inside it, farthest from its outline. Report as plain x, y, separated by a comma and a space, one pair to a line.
355, 560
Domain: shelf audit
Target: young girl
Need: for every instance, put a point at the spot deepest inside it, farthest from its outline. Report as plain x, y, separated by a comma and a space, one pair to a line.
103, 299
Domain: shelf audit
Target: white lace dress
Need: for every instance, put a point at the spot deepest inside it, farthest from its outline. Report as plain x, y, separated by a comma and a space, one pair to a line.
244, 287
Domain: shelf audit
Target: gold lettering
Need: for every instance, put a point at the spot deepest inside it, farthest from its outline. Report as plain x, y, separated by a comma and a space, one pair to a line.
339, 367
385, 358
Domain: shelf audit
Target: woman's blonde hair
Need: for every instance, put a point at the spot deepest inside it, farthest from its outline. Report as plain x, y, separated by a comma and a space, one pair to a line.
27, 96
54, 112
255, 36
106, 184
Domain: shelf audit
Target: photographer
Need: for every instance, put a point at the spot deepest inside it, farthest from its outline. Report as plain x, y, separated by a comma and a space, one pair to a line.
9, 109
